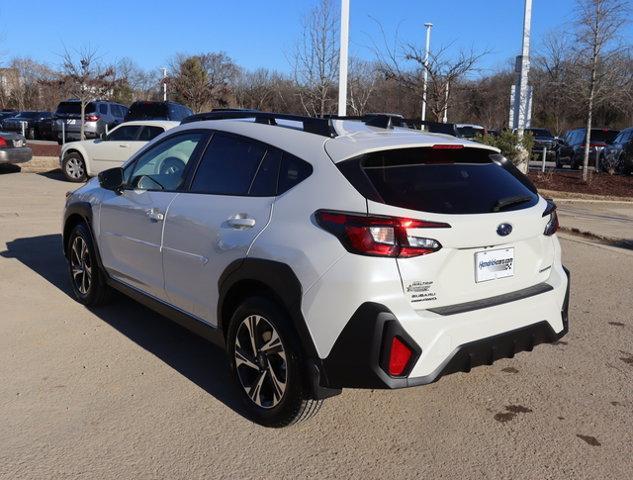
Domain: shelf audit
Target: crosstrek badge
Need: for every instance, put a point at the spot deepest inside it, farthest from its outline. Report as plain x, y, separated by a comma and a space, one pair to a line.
421, 291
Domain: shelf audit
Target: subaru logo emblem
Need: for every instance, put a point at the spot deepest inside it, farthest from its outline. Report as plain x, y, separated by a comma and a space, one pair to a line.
504, 229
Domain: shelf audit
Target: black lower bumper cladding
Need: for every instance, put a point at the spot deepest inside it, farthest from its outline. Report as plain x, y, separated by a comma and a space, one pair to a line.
355, 360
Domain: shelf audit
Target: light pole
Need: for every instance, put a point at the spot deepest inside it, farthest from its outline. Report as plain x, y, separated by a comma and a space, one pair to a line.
164, 84
343, 59
521, 95
428, 26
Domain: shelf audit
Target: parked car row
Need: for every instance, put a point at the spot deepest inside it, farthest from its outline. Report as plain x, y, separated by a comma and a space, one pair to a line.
100, 116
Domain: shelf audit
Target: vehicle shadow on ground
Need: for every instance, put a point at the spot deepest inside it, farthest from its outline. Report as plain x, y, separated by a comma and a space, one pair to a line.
201, 362
9, 168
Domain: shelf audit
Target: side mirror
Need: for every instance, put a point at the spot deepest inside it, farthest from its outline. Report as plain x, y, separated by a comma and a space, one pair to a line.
103, 136
112, 179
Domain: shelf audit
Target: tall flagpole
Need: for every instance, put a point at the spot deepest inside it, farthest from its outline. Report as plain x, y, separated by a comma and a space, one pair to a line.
343, 59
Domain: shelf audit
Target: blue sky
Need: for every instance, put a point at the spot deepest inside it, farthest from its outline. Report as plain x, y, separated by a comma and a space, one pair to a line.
260, 33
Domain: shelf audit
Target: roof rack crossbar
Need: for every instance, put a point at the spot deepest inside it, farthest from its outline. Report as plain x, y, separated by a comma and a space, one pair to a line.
318, 126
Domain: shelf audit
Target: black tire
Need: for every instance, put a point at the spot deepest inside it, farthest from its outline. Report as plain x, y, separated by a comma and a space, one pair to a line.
87, 280
558, 164
293, 405
74, 167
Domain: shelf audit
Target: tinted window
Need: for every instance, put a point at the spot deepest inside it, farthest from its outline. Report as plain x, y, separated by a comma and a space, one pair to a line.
149, 133
103, 108
540, 132
605, 136
265, 182
74, 108
163, 166
147, 111
293, 171
465, 181
228, 166
124, 133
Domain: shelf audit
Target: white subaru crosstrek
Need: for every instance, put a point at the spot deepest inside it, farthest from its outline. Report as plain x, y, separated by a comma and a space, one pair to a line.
324, 253
82, 159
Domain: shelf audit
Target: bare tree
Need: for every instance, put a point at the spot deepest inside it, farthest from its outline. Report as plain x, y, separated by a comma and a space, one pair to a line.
315, 59
405, 63
85, 78
598, 27
363, 79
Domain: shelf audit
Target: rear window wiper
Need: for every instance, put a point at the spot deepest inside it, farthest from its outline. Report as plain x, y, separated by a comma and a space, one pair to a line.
510, 201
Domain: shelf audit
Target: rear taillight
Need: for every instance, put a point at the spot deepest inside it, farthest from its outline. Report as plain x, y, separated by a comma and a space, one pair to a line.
379, 236
92, 117
399, 357
3, 142
552, 224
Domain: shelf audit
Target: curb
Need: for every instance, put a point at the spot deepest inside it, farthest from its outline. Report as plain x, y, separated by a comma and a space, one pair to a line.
611, 241
559, 196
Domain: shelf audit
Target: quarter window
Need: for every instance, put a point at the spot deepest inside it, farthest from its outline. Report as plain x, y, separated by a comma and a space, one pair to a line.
149, 133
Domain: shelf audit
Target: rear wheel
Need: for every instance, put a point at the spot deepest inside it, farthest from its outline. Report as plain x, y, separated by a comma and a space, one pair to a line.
86, 278
74, 167
267, 364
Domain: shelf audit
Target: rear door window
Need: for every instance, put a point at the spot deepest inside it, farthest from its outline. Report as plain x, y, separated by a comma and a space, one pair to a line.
449, 181
126, 133
228, 165
149, 133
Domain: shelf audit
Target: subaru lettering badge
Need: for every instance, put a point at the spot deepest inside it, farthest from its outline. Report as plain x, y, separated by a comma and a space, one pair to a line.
504, 229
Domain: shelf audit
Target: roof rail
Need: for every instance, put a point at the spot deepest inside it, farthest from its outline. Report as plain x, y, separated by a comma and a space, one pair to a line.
378, 120
318, 126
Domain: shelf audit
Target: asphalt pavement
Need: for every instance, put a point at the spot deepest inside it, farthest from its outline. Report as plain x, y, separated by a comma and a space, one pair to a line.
120, 392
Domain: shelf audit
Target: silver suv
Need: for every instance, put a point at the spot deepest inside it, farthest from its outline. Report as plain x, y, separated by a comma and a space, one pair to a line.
99, 114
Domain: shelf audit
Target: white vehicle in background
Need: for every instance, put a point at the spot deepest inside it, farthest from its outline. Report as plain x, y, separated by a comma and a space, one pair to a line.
83, 159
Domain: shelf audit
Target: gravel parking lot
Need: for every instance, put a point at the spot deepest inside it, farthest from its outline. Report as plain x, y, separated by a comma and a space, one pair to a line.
120, 392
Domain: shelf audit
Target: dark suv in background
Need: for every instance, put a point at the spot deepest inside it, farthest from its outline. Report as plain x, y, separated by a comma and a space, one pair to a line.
32, 123
144, 110
619, 154
571, 149
543, 138
100, 115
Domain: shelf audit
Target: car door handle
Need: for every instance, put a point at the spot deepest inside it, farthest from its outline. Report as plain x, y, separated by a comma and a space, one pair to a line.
241, 221
122, 146
155, 214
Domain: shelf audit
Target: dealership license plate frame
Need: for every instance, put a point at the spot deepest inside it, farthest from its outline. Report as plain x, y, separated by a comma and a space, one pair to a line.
496, 270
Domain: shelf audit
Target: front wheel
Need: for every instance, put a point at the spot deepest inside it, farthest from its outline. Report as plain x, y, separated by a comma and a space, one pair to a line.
87, 280
74, 168
267, 364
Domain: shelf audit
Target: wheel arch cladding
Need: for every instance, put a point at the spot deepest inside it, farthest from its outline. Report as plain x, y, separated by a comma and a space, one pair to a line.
252, 276
75, 214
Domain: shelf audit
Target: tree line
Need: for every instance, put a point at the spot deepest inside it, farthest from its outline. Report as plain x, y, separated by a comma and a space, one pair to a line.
583, 65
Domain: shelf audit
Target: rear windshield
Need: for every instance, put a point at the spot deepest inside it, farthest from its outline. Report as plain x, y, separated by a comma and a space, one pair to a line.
606, 136
450, 181
147, 110
469, 132
540, 132
74, 108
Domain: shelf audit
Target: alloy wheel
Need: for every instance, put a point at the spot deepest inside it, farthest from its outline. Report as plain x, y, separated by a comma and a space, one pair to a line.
75, 168
260, 361
81, 265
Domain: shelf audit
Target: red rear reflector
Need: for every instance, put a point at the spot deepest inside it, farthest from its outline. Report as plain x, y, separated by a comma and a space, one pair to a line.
399, 357
3, 142
448, 146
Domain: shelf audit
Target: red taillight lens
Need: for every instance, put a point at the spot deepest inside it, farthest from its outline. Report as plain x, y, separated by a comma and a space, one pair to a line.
399, 356
92, 118
447, 146
3, 142
379, 236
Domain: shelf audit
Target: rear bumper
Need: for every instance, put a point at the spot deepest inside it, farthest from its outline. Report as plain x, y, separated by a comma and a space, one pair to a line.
16, 155
357, 359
